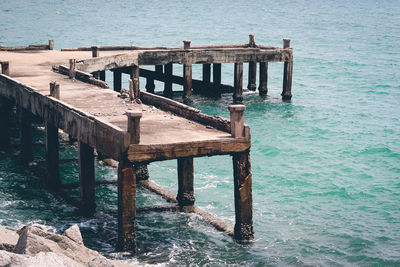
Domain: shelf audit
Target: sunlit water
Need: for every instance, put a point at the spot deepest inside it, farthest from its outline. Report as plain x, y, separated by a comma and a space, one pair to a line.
326, 166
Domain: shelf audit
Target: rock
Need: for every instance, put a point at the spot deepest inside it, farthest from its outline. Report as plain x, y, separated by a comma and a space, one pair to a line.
34, 240
39, 260
74, 234
100, 262
8, 239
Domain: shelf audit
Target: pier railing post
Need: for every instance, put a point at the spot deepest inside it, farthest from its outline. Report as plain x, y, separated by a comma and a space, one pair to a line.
53, 180
252, 68
168, 70
86, 178
263, 87
217, 79
126, 206
134, 86
287, 74
237, 120
185, 195
187, 74
238, 83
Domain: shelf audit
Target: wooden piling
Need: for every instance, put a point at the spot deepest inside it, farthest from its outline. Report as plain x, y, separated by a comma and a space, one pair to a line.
263, 87
150, 86
159, 69
53, 180
207, 90
217, 79
126, 206
238, 83
187, 74
243, 196
287, 74
86, 178
252, 68
185, 195
25, 130
117, 80
168, 69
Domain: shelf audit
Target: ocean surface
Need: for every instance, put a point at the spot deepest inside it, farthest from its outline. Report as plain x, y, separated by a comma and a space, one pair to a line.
326, 167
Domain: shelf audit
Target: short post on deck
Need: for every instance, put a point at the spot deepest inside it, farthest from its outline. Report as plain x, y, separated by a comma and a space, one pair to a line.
237, 120
134, 126
72, 67
287, 74
101, 75
51, 44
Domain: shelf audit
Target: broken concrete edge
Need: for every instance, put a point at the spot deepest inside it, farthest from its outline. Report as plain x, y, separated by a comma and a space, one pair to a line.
37, 246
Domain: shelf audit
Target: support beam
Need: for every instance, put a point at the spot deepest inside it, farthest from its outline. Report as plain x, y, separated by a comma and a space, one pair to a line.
287, 74
25, 131
86, 178
217, 79
207, 90
185, 195
5, 114
53, 180
238, 83
168, 69
187, 74
117, 80
252, 76
243, 196
126, 207
263, 87
252, 67
187, 86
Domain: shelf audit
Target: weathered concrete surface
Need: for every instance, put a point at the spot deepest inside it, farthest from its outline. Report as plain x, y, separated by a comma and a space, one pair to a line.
39, 260
74, 234
8, 239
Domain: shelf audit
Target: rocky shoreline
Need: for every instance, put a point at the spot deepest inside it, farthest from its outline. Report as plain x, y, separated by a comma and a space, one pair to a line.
35, 247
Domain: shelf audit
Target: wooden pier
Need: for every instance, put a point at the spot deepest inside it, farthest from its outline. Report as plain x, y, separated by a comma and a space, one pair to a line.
67, 90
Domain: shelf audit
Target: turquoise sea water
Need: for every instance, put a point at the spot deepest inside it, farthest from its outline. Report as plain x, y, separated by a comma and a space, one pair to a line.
326, 167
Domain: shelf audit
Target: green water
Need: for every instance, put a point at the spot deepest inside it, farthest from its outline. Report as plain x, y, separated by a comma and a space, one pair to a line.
326, 166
